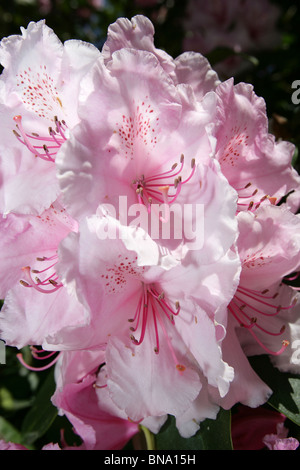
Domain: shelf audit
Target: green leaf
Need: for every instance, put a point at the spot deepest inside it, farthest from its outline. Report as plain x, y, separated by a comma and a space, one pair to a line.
42, 414
212, 435
285, 386
8, 432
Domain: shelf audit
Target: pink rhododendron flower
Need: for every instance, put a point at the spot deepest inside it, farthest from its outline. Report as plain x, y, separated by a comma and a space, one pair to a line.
138, 33
149, 145
140, 136
134, 300
263, 315
279, 440
94, 417
257, 166
128, 148
38, 101
36, 304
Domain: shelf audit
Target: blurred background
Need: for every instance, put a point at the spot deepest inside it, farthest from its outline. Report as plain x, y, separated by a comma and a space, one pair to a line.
254, 41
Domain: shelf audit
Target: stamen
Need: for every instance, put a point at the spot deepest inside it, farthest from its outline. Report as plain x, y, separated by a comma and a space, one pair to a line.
238, 306
257, 298
156, 187
48, 146
159, 308
37, 352
37, 369
45, 285
254, 203
284, 343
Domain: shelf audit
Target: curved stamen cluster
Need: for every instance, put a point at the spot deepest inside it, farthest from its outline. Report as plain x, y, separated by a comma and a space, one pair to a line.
44, 147
40, 355
249, 200
155, 188
153, 305
245, 306
48, 284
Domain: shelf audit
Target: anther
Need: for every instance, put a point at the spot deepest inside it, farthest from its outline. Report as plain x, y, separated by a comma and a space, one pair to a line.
16, 133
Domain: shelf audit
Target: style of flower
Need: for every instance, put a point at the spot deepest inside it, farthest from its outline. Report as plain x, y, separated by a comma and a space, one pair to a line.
39, 89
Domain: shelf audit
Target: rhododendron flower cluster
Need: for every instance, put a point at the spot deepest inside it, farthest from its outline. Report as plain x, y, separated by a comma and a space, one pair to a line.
146, 244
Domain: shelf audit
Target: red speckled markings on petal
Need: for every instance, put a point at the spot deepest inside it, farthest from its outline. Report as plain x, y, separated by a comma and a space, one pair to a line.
38, 92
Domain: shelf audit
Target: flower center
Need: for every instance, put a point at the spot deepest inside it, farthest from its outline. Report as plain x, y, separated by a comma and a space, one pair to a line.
44, 147
153, 305
156, 188
248, 301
